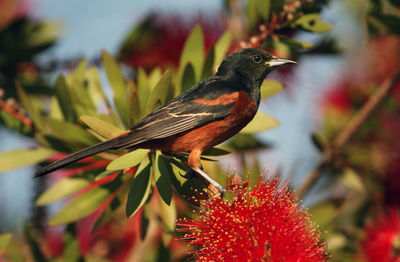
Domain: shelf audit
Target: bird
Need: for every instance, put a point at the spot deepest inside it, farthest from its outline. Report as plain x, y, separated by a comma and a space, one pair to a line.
203, 116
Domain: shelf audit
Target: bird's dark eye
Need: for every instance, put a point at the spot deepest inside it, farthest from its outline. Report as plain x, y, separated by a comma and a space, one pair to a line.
257, 58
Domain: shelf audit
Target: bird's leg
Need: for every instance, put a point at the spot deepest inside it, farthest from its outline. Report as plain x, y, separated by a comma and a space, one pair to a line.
194, 163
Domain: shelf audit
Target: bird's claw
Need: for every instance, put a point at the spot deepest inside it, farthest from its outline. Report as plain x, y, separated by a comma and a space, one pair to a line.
189, 174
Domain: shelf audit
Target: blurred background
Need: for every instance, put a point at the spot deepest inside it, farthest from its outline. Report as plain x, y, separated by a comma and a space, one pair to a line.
345, 170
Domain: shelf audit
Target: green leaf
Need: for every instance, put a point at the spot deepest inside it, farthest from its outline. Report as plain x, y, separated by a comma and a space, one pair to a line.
312, 23
159, 93
140, 188
118, 85
63, 188
121, 105
5, 239
133, 104
114, 75
143, 88
168, 219
85, 203
260, 122
215, 151
270, 87
64, 99
188, 78
193, 52
128, 160
92, 77
77, 86
154, 77
101, 127
55, 111
221, 47
351, 179
163, 179
208, 66
31, 108
69, 132
23, 157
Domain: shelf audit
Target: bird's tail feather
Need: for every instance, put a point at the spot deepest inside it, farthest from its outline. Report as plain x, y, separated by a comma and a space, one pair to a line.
92, 150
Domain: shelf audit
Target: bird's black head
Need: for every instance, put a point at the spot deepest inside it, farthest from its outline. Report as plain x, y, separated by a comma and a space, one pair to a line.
251, 64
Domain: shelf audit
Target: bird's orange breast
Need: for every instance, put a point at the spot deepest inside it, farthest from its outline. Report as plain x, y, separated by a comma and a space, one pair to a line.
216, 132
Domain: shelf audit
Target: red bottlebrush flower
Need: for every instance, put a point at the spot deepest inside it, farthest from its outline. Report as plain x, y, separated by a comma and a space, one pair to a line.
382, 241
265, 223
158, 40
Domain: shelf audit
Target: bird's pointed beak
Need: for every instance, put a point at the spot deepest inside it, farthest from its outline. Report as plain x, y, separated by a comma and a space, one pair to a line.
276, 61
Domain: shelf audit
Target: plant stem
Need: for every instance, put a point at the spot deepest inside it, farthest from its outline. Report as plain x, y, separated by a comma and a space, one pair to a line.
347, 132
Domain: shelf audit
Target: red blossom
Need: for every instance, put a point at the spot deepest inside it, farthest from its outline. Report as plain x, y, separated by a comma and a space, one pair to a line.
265, 223
159, 40
382, 240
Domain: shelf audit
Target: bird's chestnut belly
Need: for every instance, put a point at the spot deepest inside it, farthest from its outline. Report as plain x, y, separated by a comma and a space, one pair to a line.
216, 132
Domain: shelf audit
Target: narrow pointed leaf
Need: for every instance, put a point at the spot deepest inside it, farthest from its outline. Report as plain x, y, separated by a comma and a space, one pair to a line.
101, 127
143, 88
69, 132
31, 108
193, 52
145, 220
159, 93
208, 66
77, 84
114, 74
85, 203
128, 160
55, 110
140, 189
23, 157
221, 47
188, 77
215, 151
163, 181
64, 99
97, 95
63, 188
313, 23
118, 85
154, 77
260, 122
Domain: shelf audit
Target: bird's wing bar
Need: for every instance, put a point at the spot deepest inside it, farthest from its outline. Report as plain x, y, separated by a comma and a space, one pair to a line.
173, 119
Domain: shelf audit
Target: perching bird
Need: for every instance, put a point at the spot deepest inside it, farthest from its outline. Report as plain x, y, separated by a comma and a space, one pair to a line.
203, 116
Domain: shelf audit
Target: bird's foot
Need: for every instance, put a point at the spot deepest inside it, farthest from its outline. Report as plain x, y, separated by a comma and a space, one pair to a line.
189, 174
213, 185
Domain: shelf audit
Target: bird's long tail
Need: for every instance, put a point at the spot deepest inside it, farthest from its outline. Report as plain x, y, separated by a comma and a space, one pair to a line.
92, 150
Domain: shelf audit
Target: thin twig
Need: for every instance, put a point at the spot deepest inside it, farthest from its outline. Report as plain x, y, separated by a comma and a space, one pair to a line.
12, 107
347, 132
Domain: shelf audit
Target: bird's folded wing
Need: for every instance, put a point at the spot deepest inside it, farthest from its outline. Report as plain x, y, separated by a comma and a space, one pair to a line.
171, 119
